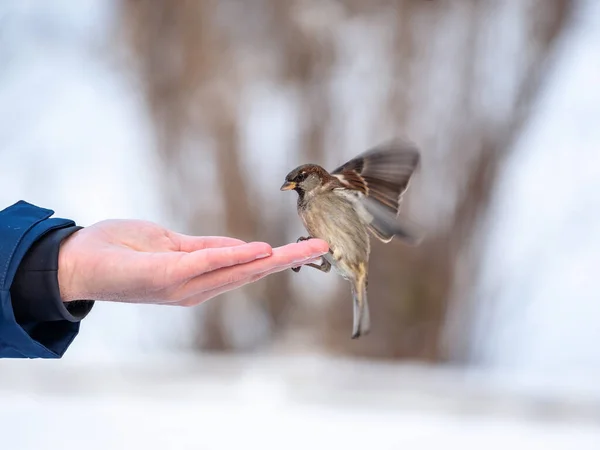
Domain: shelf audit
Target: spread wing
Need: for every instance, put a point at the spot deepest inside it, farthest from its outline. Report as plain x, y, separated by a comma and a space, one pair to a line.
379, 177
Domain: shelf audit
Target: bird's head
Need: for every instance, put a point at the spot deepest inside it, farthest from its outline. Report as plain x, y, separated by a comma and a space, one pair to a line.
305, 178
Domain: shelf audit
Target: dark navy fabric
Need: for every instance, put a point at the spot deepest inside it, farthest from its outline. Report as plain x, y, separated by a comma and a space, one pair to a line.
35, 290
21, 226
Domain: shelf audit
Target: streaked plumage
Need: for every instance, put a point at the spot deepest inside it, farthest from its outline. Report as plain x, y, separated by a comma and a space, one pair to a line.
361, 196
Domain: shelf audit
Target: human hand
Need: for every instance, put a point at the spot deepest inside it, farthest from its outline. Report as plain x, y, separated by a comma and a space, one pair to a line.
136, 261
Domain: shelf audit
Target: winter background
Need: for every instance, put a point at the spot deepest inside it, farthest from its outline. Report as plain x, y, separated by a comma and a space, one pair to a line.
77, 136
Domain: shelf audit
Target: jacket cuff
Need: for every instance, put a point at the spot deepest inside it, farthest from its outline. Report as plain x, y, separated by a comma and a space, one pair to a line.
35, 292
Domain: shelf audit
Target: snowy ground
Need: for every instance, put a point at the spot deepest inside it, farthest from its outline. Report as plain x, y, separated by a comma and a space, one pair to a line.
301, 402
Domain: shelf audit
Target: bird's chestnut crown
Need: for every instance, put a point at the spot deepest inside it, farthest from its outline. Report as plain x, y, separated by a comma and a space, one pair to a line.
304, 178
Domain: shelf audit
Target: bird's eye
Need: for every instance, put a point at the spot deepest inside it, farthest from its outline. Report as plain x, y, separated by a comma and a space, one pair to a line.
302, 176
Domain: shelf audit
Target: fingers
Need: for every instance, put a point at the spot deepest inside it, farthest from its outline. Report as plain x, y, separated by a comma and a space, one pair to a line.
207, 295
189, 244
194, 264
301, 249
281, 258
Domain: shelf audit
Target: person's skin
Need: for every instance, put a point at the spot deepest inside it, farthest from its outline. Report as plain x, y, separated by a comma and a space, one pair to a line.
140, 262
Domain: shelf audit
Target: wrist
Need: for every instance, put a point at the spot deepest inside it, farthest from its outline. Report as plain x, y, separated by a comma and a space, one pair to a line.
35, 291
66, 268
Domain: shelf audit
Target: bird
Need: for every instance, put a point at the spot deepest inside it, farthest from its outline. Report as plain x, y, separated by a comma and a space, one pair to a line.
344, 207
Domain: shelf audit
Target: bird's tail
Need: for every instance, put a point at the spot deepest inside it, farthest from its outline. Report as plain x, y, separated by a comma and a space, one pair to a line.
362, 318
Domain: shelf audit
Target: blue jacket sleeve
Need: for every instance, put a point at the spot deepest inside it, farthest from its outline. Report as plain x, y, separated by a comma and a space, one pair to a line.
29, 327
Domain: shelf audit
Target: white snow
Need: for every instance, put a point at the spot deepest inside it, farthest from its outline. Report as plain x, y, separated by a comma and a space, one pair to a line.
279, 402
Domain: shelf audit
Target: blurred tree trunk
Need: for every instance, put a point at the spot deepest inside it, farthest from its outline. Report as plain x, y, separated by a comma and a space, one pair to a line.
436, 69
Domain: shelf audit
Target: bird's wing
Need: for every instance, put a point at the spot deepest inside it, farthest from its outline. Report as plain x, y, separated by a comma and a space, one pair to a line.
378, 178
382, 173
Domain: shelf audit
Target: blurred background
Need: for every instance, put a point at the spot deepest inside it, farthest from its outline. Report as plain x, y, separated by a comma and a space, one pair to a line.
190, 113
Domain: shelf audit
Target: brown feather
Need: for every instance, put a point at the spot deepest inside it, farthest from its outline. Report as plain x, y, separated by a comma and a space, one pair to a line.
382, 173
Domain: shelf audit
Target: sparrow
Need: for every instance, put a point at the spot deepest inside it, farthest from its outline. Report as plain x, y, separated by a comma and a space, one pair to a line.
345, 206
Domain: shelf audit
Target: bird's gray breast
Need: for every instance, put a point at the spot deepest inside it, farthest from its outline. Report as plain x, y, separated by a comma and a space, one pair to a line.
333, 217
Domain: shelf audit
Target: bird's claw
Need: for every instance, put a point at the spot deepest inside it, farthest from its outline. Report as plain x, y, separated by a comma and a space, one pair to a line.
325, 266
300, 239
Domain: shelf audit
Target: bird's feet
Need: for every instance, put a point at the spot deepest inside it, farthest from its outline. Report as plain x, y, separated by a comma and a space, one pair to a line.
300, 239
325, 265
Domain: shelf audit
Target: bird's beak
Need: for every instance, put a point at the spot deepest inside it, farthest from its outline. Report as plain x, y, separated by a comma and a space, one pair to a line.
287, 186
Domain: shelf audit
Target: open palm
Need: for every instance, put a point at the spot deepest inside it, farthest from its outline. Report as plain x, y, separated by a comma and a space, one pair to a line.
139, 261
